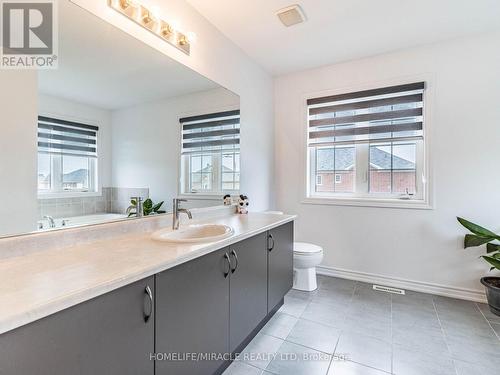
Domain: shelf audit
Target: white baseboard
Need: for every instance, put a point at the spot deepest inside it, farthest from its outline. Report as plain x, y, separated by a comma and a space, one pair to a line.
417, 286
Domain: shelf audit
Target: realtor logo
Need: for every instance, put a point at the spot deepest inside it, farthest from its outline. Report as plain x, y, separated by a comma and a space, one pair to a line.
28, 34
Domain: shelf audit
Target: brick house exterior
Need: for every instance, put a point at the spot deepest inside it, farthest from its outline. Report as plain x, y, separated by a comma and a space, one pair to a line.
388, 173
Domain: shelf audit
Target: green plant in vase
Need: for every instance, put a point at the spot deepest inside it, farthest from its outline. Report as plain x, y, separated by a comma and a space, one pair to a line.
148, 208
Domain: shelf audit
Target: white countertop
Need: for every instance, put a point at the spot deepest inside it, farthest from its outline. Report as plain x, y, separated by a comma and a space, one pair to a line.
36, 285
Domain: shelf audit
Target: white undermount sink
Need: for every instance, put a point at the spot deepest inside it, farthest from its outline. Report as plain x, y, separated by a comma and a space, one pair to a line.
194, 233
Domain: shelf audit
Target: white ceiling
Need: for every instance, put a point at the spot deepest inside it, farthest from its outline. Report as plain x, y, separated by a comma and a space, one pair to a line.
341, 30
102, 66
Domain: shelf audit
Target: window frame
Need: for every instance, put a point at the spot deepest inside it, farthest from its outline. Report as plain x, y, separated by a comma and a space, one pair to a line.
95, 170
184, 177
185, 173
423, 169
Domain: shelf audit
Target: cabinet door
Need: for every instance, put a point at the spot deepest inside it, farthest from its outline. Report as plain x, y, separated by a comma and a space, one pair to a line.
248, 290
280, 263
192, 314
106, 335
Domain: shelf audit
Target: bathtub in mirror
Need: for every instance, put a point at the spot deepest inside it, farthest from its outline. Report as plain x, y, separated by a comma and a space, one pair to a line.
116, 120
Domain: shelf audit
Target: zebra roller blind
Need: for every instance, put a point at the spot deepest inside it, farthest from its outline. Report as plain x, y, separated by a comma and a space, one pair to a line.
386, 114
64, 137
212, 132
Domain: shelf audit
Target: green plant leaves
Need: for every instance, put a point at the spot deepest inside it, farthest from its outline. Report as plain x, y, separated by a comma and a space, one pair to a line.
493, 261
148, 204
157, 206
480, 237
472, 240
478, 230
491, 248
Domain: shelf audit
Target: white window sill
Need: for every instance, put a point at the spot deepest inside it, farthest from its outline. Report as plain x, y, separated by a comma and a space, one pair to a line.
369, 202
74, 194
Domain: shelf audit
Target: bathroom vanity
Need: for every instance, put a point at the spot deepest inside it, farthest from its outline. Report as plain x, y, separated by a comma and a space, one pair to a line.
102, 148
193, 306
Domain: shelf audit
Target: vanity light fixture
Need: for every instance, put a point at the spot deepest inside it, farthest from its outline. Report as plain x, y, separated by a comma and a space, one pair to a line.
127, 7
166, 30
148, 19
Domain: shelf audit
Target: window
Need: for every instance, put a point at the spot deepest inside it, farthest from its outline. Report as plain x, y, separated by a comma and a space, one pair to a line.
368, 144
67, 157
210, 162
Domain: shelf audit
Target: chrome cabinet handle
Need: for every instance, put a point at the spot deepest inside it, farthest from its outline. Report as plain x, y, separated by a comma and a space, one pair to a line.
149, 294
271, 248
233, 253
226, 273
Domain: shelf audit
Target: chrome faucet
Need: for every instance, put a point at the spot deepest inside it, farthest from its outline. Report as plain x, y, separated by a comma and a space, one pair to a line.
177, 210
52, 223
138, 207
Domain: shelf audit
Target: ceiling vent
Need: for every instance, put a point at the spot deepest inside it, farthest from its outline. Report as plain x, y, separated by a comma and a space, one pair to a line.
291, 15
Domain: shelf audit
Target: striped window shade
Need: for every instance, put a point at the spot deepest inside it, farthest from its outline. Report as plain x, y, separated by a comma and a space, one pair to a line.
380, 115
64, 137
211, 133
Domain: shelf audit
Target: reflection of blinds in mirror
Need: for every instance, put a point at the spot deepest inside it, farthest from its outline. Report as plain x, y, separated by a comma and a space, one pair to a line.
379, 115
56, 136
212, 132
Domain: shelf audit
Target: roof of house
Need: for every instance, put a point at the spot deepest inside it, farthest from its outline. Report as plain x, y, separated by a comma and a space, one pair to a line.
78, 175
342, 159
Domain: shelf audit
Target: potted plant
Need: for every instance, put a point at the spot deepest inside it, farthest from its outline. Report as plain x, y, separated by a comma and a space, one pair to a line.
481, 236
148, 207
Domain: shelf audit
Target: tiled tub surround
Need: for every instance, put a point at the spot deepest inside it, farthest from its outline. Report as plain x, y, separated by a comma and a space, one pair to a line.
112, 200
378, 333
120, 198
44, 273
68, 207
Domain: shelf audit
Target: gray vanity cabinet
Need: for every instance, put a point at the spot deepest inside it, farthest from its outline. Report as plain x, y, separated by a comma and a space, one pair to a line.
164, 325
192, 314
248, 288
280, 263
105, 335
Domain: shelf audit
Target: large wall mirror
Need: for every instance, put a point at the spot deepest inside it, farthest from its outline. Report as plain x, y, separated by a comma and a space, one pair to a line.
118, 120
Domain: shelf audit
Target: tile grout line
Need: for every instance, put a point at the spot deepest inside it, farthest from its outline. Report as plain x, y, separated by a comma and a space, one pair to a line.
341, 329
392, 336
309, 300
444, 336
371, 367
487, 321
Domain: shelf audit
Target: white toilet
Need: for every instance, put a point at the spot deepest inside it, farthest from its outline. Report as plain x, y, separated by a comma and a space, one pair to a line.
306, 257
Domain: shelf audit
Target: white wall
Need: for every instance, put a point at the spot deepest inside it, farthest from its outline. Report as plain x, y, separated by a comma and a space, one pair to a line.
217, 58
146, 141
70, 110
18, 151
419, 245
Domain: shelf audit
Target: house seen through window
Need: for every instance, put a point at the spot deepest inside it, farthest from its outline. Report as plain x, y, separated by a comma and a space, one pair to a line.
367, 144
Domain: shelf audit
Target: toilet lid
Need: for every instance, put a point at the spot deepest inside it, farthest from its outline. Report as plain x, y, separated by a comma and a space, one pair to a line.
306, 248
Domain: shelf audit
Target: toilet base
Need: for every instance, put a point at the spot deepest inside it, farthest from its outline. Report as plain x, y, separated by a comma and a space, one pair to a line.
304, 279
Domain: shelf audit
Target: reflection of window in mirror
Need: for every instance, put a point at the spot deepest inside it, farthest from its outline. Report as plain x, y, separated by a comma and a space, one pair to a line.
67, 157
210, 162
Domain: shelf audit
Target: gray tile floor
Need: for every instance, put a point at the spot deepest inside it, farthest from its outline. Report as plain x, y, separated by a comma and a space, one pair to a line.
347, 328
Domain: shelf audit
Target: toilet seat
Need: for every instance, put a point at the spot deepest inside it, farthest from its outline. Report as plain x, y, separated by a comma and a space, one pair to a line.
307, 249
